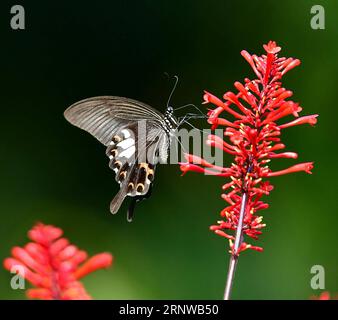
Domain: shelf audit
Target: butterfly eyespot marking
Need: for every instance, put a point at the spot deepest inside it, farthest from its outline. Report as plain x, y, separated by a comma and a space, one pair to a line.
140, 187
142, 173
122, 175
150, 175
117, 164
147, 168
113, 152
143, 165
116, 139
130, 187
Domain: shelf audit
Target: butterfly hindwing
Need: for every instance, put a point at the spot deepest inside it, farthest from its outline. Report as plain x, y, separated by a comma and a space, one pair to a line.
133, 158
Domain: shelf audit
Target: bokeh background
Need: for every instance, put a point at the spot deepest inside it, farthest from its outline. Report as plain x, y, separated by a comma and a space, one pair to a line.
55, 173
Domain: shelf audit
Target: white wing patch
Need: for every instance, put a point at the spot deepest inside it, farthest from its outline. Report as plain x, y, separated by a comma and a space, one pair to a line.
126, 133
127, 143
128, 153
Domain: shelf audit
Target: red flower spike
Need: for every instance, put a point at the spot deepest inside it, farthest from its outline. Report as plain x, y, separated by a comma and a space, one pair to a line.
251, 117
52, 265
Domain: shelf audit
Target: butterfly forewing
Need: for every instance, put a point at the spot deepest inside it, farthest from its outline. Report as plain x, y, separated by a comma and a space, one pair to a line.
103, 116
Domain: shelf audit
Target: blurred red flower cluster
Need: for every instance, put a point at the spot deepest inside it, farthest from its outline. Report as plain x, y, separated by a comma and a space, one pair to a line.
325, 295
252, 125
53, 265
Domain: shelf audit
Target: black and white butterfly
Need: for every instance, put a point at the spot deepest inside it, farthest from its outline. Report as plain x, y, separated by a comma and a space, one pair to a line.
116, 122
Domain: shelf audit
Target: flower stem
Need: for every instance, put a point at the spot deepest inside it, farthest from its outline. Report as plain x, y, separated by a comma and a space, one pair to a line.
238, 242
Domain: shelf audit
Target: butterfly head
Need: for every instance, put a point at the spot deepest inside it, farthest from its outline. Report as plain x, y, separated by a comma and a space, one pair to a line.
170, 110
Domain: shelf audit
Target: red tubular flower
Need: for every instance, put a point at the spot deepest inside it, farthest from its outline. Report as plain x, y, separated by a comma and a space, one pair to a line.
54, 266
257, 110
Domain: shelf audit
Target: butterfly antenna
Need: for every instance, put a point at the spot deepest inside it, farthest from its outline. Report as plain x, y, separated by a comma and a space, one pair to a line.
172, 90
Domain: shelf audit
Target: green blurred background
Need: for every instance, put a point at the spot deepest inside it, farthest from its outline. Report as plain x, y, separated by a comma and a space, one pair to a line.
55, 173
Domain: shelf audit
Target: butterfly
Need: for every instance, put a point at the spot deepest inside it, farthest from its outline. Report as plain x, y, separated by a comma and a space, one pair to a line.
136, 137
